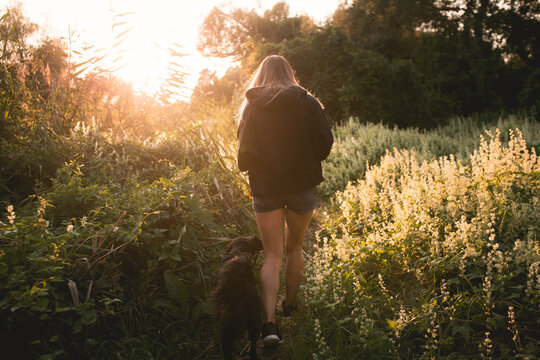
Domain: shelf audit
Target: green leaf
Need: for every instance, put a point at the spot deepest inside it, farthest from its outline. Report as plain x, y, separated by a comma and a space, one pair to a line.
88, 317
462, 329
167, 305
175, 286
3, 269
176, 257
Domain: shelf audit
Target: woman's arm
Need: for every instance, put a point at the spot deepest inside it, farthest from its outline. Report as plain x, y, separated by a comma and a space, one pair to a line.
321, 132
247, 143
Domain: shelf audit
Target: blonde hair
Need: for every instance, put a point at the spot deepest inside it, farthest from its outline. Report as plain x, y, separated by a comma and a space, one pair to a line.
274, 73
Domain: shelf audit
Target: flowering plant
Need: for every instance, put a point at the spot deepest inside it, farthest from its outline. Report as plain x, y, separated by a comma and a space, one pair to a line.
433, 258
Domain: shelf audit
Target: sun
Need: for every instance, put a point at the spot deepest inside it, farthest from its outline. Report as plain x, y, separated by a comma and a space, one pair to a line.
137, 34
138, 53
142, 63
143, 33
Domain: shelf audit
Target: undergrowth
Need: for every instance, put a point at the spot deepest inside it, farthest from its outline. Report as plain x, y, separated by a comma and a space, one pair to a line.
116, 258
431, 259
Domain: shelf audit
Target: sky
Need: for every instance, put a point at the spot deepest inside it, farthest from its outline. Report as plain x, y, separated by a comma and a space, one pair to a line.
156, 25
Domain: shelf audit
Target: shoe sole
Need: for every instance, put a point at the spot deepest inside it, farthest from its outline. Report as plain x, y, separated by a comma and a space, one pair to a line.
271, 340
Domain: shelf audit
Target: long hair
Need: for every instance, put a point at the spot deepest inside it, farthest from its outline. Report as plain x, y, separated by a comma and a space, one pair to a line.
274, 73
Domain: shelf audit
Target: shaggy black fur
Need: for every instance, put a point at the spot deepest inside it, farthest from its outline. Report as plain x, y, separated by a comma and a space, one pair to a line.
235, 295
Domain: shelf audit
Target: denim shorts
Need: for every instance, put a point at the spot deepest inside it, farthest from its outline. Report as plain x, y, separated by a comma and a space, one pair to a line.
300, 202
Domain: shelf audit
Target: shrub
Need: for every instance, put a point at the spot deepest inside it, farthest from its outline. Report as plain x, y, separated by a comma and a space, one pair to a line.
432, 258
358, 145
117, 256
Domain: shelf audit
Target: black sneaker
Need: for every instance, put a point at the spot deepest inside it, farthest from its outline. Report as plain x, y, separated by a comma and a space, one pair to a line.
271, 336
288, 310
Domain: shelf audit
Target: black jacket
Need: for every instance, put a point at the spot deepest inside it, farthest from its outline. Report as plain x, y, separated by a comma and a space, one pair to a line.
282, 140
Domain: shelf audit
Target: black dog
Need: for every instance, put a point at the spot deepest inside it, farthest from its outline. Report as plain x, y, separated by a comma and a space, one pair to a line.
236, 297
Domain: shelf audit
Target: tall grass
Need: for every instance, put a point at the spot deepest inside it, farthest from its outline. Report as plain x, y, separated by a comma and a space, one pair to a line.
115, 259
115, 207
357, 145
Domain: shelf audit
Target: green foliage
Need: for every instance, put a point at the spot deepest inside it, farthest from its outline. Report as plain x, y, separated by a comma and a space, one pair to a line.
114, 257
118, 207
221, 90
238, 33
530, 95
357, 145
404, 63
127, 229
432, 259
323, 75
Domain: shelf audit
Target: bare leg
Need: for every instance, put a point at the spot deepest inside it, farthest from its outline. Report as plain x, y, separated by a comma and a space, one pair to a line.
295, 230
271, 229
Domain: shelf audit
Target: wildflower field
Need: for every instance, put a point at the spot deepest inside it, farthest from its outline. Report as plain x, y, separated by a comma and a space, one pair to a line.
429, 259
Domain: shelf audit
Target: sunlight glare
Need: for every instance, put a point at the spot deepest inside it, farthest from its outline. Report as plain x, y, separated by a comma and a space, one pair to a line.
139, 58
142, 56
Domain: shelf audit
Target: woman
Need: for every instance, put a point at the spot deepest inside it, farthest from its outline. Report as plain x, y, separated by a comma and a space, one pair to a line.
282, 138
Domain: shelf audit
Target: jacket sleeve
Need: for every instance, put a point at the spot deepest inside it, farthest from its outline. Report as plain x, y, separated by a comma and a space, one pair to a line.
321, 133
247, 143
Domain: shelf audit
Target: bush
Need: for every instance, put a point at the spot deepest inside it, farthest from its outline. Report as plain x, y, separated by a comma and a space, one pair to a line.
432, 259
357, 145
121, 249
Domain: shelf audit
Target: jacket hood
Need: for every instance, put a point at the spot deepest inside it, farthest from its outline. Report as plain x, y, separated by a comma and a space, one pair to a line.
274, 97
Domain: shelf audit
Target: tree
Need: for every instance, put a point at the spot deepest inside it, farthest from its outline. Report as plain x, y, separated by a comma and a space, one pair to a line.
14, 32
385, 26
220, 90
238, 33
403, 62
512, 26
517, 25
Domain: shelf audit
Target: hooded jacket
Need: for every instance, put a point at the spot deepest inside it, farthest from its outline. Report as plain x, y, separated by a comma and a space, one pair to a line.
282, 139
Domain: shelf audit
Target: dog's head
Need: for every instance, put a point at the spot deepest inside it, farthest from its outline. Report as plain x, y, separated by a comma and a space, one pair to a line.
245, 244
